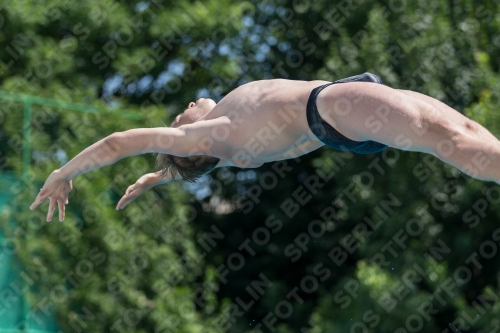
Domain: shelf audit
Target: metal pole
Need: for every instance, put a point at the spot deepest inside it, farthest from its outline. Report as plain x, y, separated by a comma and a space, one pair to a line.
29, 100
26, 139
69, 105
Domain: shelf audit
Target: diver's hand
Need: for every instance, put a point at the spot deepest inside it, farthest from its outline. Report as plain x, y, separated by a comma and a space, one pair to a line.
56, 188
142, 184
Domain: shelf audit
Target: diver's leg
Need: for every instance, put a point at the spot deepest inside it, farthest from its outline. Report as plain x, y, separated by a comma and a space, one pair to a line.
376, 112
474, 126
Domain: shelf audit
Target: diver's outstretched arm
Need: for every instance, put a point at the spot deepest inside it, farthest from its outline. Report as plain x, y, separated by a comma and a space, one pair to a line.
151, 180
142, 184
181, 141
128, 143
105, 152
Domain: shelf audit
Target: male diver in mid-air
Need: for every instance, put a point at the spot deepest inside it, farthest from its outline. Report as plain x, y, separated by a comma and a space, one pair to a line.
269, 120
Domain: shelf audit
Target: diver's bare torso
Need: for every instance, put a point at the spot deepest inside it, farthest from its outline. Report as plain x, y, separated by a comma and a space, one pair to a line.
268, 121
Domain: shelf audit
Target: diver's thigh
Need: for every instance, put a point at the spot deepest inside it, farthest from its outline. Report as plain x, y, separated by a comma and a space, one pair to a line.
370, 111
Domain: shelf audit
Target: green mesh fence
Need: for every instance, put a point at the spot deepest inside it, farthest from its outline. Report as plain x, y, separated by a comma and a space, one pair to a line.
16, 314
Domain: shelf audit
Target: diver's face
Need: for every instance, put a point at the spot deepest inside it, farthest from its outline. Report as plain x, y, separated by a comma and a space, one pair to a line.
194, 111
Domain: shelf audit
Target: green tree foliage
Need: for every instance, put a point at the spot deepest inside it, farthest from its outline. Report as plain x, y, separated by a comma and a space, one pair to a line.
389, 242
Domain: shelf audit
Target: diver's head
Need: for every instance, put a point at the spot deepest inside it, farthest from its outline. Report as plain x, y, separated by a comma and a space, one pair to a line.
190, 168
194, 111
